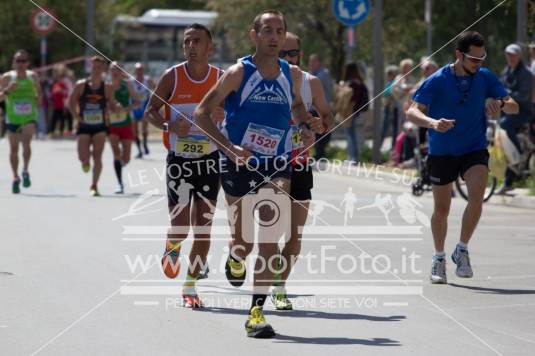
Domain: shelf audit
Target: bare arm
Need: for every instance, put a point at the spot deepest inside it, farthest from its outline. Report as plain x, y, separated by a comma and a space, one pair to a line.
75, 99
417, 115
133, 95
494, 108
510, 105
113, 105
228, 83
4, 83
299, 113
38, 91
162, 92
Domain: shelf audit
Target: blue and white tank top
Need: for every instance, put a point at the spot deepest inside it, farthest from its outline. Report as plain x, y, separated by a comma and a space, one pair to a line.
143, 93
258, 114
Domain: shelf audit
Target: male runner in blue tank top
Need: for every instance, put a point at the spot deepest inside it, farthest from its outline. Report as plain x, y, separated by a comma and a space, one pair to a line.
261, 94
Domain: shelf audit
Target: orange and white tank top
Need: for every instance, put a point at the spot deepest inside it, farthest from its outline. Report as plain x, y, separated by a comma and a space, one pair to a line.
187, 94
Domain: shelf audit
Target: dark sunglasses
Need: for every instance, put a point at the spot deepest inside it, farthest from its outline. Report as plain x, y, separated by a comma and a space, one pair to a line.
289, 53
21, 61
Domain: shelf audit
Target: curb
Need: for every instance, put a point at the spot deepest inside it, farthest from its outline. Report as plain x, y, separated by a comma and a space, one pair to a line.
370, 170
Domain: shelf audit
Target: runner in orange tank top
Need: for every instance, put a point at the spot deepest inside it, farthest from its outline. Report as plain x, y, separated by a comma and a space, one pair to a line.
192, 160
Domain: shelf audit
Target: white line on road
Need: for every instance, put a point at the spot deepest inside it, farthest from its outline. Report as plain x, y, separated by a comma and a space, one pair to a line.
329, 239
316, 290
146, 303
176, 281
395, 304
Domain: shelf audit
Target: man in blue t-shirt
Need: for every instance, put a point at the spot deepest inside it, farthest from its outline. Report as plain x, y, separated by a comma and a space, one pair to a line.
452, 104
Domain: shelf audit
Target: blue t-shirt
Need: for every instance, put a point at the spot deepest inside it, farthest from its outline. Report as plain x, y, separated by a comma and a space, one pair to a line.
459, 98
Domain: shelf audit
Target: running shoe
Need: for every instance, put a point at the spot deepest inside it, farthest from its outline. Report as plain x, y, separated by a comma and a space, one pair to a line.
94, 191
86, 167
171, 259
280, 300
120, 189
235, 272
256, 325
26, 182
15, 187
203, 273
192, 301
438, 271
461, 258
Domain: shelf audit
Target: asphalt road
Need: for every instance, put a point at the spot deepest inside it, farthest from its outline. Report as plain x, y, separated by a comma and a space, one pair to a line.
81, 275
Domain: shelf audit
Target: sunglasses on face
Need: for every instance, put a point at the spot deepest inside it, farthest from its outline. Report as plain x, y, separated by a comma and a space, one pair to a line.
289, 53
475, 60
21, 61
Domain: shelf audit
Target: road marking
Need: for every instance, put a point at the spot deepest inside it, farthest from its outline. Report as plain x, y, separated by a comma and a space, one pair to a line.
395, 304
316, 290
146, 303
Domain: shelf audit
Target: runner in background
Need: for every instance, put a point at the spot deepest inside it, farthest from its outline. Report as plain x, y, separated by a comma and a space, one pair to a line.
22, 94
143, 85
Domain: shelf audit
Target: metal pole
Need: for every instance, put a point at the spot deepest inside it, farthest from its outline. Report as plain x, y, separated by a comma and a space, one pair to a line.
349, 45
90, 14
377, 79
429, 22
44, 49
521, 26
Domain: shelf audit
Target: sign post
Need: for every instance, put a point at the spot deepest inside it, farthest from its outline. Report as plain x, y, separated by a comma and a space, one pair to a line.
350, 13
43, 24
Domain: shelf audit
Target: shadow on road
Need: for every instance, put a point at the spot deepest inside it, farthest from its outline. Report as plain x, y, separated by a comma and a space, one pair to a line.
336, 316
307, 314
335, 341
121, 196
51, 195
495, 290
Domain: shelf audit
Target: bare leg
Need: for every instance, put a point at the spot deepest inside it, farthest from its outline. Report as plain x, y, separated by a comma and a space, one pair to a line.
98, 142
292, 248
476, 182
27, 134
439, 220
14, 139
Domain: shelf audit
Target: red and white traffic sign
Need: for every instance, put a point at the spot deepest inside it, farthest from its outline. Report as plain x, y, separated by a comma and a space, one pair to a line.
42, 23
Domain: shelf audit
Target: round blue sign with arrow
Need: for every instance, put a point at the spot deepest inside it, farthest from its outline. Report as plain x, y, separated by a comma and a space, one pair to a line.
351, 12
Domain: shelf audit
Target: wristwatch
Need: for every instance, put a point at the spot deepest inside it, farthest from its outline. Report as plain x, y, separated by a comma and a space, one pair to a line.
165, 126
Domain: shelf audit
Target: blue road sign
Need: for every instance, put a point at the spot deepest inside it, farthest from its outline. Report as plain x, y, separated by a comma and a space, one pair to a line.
351, 12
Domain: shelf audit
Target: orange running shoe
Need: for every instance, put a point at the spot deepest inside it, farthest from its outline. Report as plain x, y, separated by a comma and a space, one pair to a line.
192, 301
171, 259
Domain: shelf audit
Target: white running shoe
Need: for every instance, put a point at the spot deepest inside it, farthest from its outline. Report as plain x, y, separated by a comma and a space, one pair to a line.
461, 258
438, 271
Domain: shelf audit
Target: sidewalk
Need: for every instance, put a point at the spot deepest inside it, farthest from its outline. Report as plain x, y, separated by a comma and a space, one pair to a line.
519, 197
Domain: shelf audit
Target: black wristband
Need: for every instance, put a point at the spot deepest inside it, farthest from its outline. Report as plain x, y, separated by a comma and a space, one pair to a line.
502, 104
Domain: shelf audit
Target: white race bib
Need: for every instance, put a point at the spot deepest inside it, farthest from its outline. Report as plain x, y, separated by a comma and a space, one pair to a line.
93, 117
22, 107
262, 139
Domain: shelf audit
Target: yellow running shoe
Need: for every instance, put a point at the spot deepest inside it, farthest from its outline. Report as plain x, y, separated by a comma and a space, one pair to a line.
86, 167
256, 325
235, 272
280, 299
